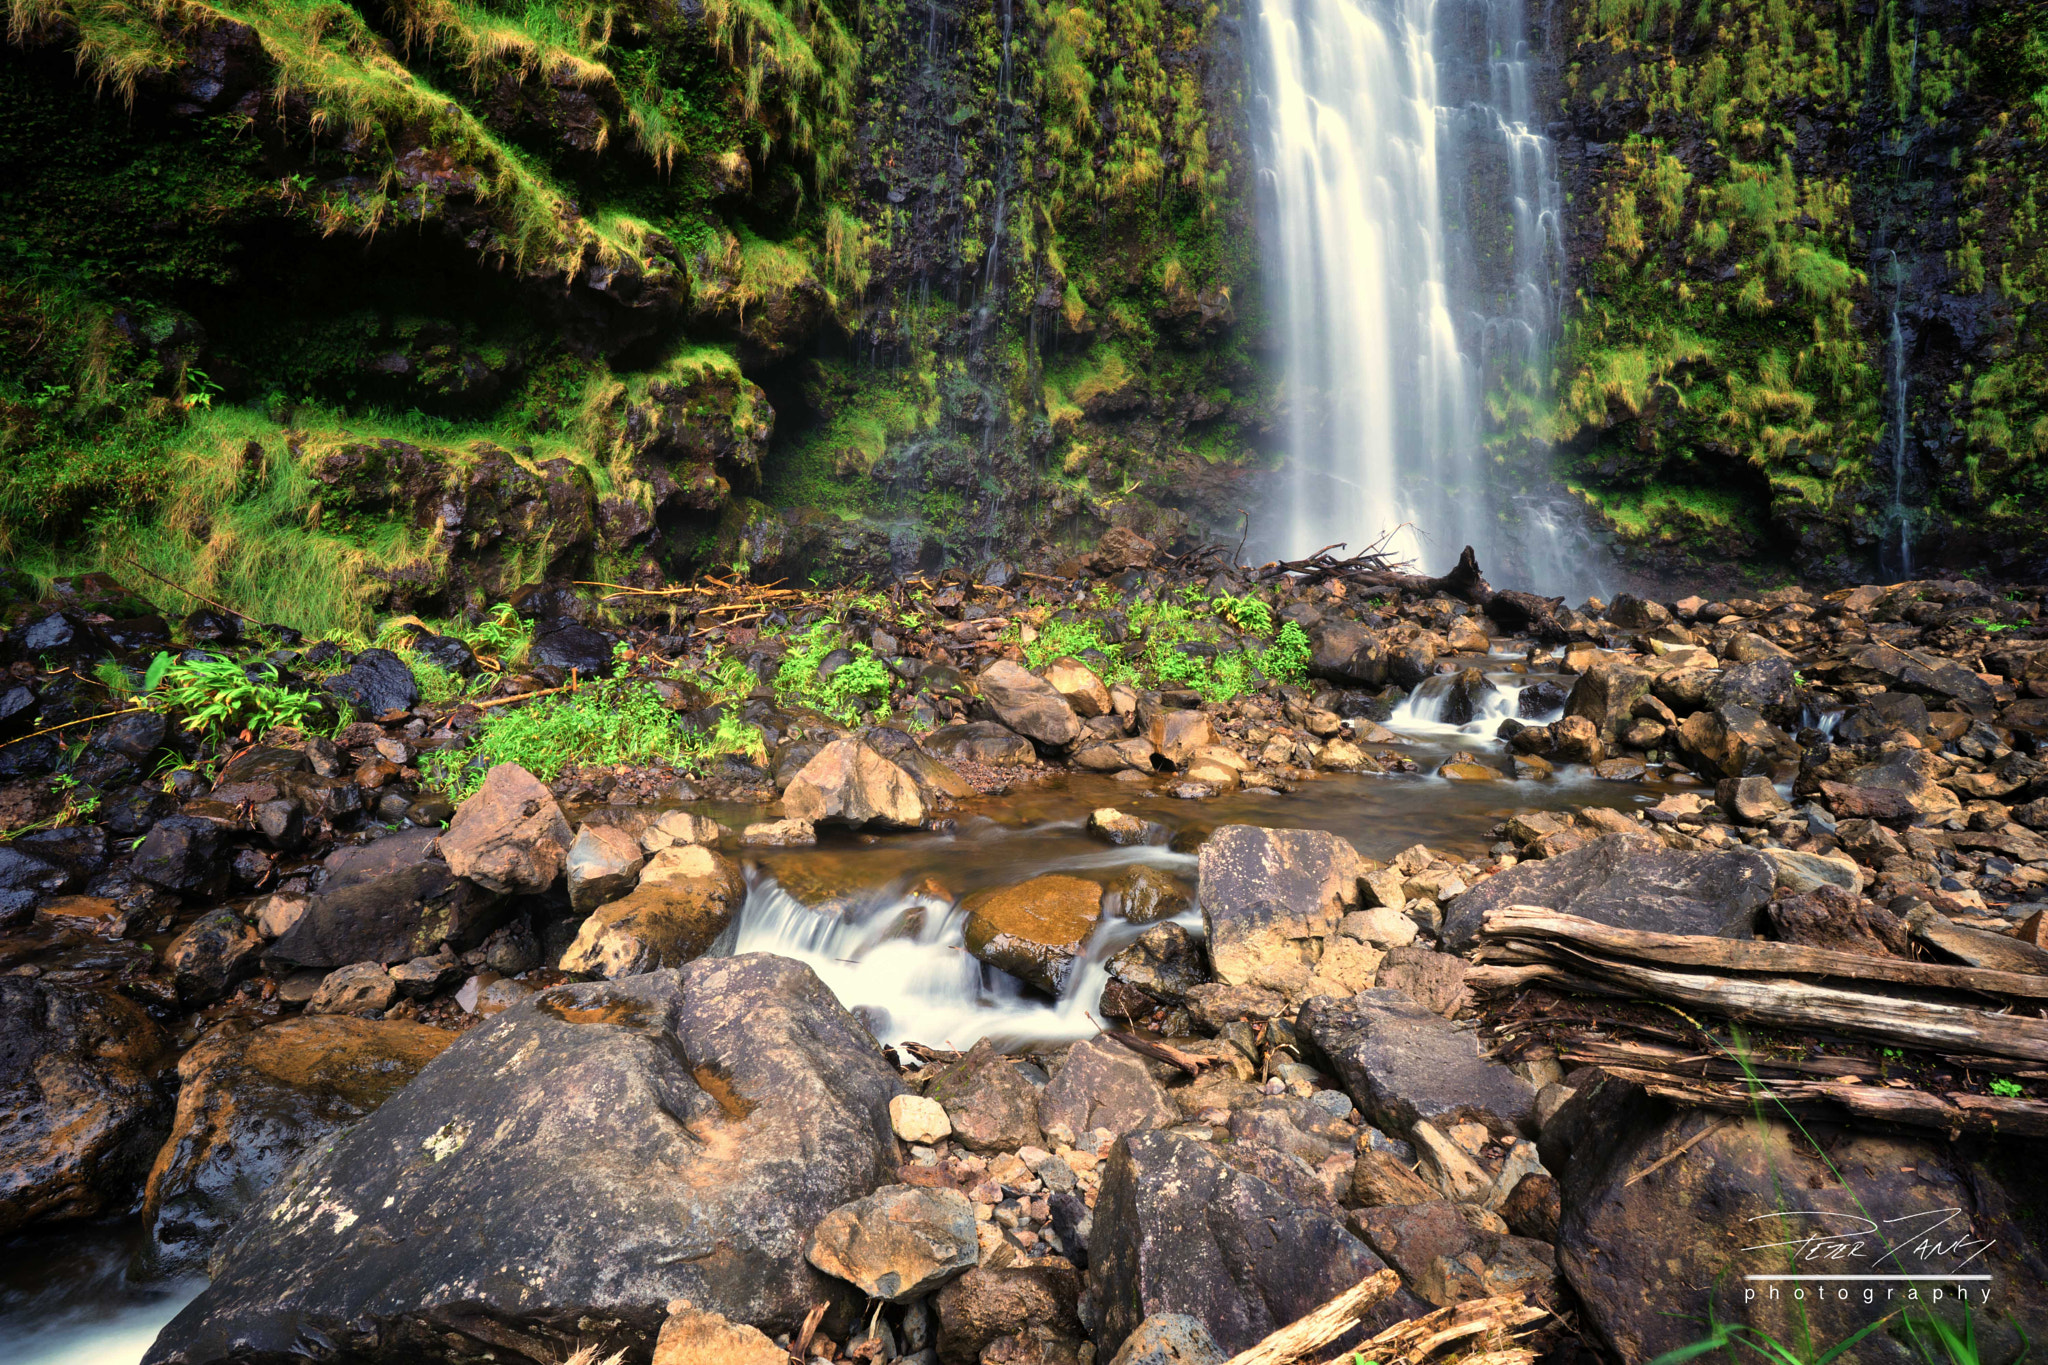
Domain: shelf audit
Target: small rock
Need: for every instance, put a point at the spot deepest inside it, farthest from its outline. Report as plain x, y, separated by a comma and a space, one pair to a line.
1112, 826
603, 864
689, 1337
365, 988
899, 1243
917, 1119
780, 834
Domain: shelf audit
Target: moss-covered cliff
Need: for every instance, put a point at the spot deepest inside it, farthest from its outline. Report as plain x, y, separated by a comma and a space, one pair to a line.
390, 304
1780, 218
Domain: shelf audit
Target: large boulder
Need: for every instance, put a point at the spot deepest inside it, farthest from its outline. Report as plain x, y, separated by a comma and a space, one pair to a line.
1665, 1209
216, 953
1730, 741
850, 783
388, 901
688, 894
671, 1136
81, 1112
1403, 1063
1270, 897
1080, 685
1028, 704
251, 1101
510, 836
1178, 1230
899, 1243
376, 684
1606, 695
1346, 652
603, 864
1036, 930
1619, 880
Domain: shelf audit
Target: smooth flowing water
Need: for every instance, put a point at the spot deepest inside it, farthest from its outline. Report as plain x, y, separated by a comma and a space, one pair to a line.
1394, 325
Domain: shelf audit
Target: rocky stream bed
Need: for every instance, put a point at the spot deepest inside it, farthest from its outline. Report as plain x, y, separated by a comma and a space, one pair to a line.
1587, 961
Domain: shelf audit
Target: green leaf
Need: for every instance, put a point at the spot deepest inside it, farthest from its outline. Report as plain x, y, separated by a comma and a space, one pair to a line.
158, 666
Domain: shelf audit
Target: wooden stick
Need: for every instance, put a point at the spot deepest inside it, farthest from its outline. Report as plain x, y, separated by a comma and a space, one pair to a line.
524, 696
82, 720
217, 606
1676, 1152
1746, 955
1325, 1325
1186, 1061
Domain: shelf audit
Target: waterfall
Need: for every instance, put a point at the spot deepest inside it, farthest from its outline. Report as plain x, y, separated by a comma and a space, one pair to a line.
1901, 514
1390, 336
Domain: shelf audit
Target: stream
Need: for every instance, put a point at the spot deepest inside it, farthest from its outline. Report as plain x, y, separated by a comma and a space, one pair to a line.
877, 918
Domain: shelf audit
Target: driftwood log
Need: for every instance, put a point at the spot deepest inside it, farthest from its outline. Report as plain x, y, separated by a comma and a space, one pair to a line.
1484, 1326
1305, 1336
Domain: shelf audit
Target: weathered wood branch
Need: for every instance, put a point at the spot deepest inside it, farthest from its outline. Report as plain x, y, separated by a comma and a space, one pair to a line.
1304, 1336
1485, 1324
1755, 956
1840, 1100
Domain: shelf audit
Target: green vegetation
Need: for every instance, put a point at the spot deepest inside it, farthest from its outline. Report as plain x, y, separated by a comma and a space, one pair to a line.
855, 689
223, 697
1180, 644
2007, 1087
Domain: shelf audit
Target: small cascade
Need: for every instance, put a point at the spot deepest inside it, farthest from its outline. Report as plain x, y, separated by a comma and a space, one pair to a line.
1450, 704
1901, 515
900, 962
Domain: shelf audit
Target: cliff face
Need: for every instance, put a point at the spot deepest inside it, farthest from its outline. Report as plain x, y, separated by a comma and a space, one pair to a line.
421, 296
1780, 218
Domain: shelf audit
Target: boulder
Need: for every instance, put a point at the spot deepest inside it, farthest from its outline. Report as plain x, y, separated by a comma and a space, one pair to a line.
1909, 780
365, 988
572, 648
376, 684
1617, 880
1036, 930
1028, 704
1112, 826
705, 1117
1164, 962
1446, 1260
985, 1305
687, 895
1750, 800
1081, 687
990, 1105
1431, 979
917, 1119
1402, 1062
689, 1337
1103, 1084
603, 864
182, 853
681, 827
1606, 695
1169, 1339
1730, 741
213, 956
981, 741
79, 1093
387, 901
1348, 653
1177, 1230
1177, 734
1829, 917
1270, 896
899, 1243
849, 783
1650, 1196
510, 836
1800, 872
251, 1101
1144, 894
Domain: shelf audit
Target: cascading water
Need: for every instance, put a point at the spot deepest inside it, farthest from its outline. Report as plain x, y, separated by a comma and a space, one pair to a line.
1388, 346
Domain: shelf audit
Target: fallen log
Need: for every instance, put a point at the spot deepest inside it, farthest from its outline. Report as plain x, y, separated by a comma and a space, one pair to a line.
1304, 1336
1839, 1100
1482, 1324
1751, 955
1782, 1003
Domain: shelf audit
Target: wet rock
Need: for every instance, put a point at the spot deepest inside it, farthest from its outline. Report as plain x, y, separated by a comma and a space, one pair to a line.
1618, 880
849, 783
1533, 1207
1029, 705
1750, 800
1103, 1084
376, 684
1179, 1231
681, 827
708, 1116
1730, 741
1120, 756
989, 1103
1401, 1062
79, 1092
689, 1337
780, 834
182, 853
1169, 1339
1165, 963
1606, 695
1269, 896
251, 1101
1143, 894
603, 864
986, 1305
572, 649
1346, 652
510, 836
363, 989
388, 901
687, 896
1216, 1004
983, 742
23, 881
1036, 930
1646, 1249
1112, 826
1081, 687
1876, 717
899, 1243
212, 957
